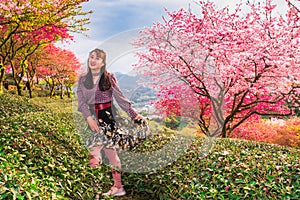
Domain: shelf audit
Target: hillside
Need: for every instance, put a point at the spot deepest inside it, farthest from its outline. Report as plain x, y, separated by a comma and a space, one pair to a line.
42, 158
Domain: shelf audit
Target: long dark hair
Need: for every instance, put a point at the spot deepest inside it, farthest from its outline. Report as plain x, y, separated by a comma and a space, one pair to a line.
104, 83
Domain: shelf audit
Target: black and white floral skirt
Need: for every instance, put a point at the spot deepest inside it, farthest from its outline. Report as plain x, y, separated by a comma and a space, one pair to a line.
122, 134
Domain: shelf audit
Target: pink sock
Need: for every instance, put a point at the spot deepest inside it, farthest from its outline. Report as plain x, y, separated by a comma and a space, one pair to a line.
114, 160
117, 178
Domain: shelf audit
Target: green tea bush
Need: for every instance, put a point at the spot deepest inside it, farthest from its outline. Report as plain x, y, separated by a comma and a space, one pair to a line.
41, 157
234, 169
40, 152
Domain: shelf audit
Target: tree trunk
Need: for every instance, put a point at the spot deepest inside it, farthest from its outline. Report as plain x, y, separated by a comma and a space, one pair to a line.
29, 89
51, 91
30, 94
1, 87
61, 92
224, 131
1, 79
69, 92
50, 87
19, 89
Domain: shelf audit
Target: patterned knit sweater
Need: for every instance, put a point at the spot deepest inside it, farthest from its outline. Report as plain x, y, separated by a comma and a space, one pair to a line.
95, 95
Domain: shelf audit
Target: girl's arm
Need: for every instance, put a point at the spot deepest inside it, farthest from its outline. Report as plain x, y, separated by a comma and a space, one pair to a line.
122, 101
82, 105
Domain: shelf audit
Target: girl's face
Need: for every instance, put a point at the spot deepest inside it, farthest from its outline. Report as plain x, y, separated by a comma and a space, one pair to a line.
95, 62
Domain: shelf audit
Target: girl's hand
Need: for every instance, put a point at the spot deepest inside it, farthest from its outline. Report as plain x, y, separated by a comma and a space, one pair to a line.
93, 124
139, 119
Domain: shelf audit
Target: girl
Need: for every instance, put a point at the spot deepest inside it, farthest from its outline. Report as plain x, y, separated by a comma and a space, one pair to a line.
96, 90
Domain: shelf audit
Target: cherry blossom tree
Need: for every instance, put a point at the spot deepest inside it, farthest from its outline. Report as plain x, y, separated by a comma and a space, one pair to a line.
293, 4
237, 64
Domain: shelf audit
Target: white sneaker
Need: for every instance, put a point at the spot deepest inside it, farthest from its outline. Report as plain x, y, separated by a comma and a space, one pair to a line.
115, 192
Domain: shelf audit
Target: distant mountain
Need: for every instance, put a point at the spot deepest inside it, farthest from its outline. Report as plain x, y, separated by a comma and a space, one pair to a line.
133, 90
126, 81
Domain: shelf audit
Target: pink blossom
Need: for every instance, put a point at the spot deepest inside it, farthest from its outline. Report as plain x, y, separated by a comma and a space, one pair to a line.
227, 188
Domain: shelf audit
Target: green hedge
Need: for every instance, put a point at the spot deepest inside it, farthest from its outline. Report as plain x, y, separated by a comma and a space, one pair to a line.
235, 169
40, 152
41, 158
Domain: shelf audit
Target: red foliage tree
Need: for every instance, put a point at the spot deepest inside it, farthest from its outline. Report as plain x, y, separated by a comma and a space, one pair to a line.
26, 25
58, 67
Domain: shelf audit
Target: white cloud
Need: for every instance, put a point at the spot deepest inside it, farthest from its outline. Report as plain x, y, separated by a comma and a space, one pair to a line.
80, 47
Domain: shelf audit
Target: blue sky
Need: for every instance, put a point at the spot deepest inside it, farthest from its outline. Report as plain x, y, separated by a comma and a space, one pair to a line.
115, 22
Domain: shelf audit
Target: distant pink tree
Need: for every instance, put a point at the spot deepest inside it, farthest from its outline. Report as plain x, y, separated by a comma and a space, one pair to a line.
226, 66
